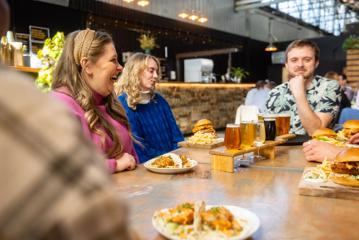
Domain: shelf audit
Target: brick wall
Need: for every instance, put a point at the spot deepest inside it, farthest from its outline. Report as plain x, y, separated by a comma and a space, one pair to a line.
191, 102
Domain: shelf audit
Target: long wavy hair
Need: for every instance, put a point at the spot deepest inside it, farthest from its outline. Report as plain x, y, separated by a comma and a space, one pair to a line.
130, 79
72, 76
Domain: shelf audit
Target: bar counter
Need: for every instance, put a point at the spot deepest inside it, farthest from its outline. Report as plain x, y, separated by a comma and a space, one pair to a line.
268, 188
193, 101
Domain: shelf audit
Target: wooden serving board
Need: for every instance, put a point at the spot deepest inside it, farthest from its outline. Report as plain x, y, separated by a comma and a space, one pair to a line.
223, 151
223, 158
326, 189
219, 142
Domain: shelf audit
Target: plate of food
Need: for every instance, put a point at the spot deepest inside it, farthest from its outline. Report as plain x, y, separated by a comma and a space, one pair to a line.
204, 136
170, 163
198, 221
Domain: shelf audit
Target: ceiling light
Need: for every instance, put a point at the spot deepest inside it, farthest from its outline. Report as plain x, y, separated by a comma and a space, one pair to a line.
271, 47
183, 15
128, 1
203, 19
193, 17
143, 3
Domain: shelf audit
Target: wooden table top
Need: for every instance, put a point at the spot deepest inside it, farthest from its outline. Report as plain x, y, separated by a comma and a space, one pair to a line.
268, 188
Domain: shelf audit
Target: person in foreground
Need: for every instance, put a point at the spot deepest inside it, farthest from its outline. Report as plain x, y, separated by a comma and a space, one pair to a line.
311, 100
53, 183
149, 114
84, 80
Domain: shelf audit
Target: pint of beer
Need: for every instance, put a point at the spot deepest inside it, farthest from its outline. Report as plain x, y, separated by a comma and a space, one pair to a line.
282, 123
248, 134
232, 136
270, 126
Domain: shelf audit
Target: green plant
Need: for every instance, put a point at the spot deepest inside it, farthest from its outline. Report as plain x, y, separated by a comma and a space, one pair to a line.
49, 55
352, 42
147, 42
239, 72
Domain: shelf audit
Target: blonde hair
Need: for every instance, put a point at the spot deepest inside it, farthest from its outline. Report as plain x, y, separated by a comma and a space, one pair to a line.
70, 74
130, 79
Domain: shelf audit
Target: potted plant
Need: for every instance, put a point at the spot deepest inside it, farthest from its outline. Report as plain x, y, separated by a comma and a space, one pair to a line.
352, 42
239, 73
147, 42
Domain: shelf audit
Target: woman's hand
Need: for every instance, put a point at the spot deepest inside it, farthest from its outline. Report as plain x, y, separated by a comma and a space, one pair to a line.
354, 139
317, 151
125, 162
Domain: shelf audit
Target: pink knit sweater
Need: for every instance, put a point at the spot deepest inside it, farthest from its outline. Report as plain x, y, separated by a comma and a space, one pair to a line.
64, 96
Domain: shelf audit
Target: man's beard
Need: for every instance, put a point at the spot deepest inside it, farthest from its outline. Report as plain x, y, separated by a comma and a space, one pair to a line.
306, 76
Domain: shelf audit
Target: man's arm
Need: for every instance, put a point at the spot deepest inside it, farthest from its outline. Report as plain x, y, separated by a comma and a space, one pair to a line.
310, 120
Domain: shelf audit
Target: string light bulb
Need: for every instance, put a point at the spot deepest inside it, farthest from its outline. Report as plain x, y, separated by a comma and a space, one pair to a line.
193, 16
183, 15
143, 3
203, 19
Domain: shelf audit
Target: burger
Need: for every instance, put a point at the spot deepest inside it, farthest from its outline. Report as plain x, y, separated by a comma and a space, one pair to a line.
203, 126
324, 133
203, 132
327, 135
345, 168
350, 128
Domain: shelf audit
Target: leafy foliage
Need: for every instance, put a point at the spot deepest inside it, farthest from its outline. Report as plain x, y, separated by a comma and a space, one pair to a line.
239, 72
49, 55
147, 42
352, 42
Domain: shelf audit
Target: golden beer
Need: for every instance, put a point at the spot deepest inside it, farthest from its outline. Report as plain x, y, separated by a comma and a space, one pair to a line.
232, 136
260, 117
260, 133
248, 134
282, 123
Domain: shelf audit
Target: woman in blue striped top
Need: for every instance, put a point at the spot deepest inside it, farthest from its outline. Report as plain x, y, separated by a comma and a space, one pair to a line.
150, 116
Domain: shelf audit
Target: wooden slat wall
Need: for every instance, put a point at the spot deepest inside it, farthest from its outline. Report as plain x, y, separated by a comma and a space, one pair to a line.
352, 69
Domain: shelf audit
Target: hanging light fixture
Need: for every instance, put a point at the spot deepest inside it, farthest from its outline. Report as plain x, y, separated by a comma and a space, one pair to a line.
195, 14
271, 47
202, 19
143, 3
183, 14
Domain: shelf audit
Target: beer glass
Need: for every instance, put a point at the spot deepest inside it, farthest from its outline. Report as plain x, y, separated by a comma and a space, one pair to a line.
282, 123
259, 139
270, 126
260, 133
248, 134
232, 136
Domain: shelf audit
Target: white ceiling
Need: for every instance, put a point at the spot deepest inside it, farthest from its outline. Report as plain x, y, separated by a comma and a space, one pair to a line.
251, 23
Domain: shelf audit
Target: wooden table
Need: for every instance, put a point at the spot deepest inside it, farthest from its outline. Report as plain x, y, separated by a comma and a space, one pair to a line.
269, 189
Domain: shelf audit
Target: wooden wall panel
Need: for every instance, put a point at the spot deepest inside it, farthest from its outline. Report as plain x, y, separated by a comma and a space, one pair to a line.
352, 70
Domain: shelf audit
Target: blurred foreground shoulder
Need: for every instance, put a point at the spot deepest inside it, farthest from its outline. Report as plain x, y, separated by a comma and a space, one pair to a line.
53, 182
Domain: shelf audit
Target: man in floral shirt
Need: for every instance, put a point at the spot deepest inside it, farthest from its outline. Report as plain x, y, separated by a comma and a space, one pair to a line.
311, 100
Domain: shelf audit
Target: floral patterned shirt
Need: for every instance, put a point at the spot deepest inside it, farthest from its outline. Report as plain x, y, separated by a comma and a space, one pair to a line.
323, 96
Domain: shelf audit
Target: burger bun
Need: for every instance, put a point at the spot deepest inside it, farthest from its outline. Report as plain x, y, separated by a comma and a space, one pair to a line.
345, 179
351, 124
327, 132
348, 155
203, 125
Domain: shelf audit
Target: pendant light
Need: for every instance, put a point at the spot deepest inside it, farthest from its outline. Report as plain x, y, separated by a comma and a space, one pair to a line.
271, 47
